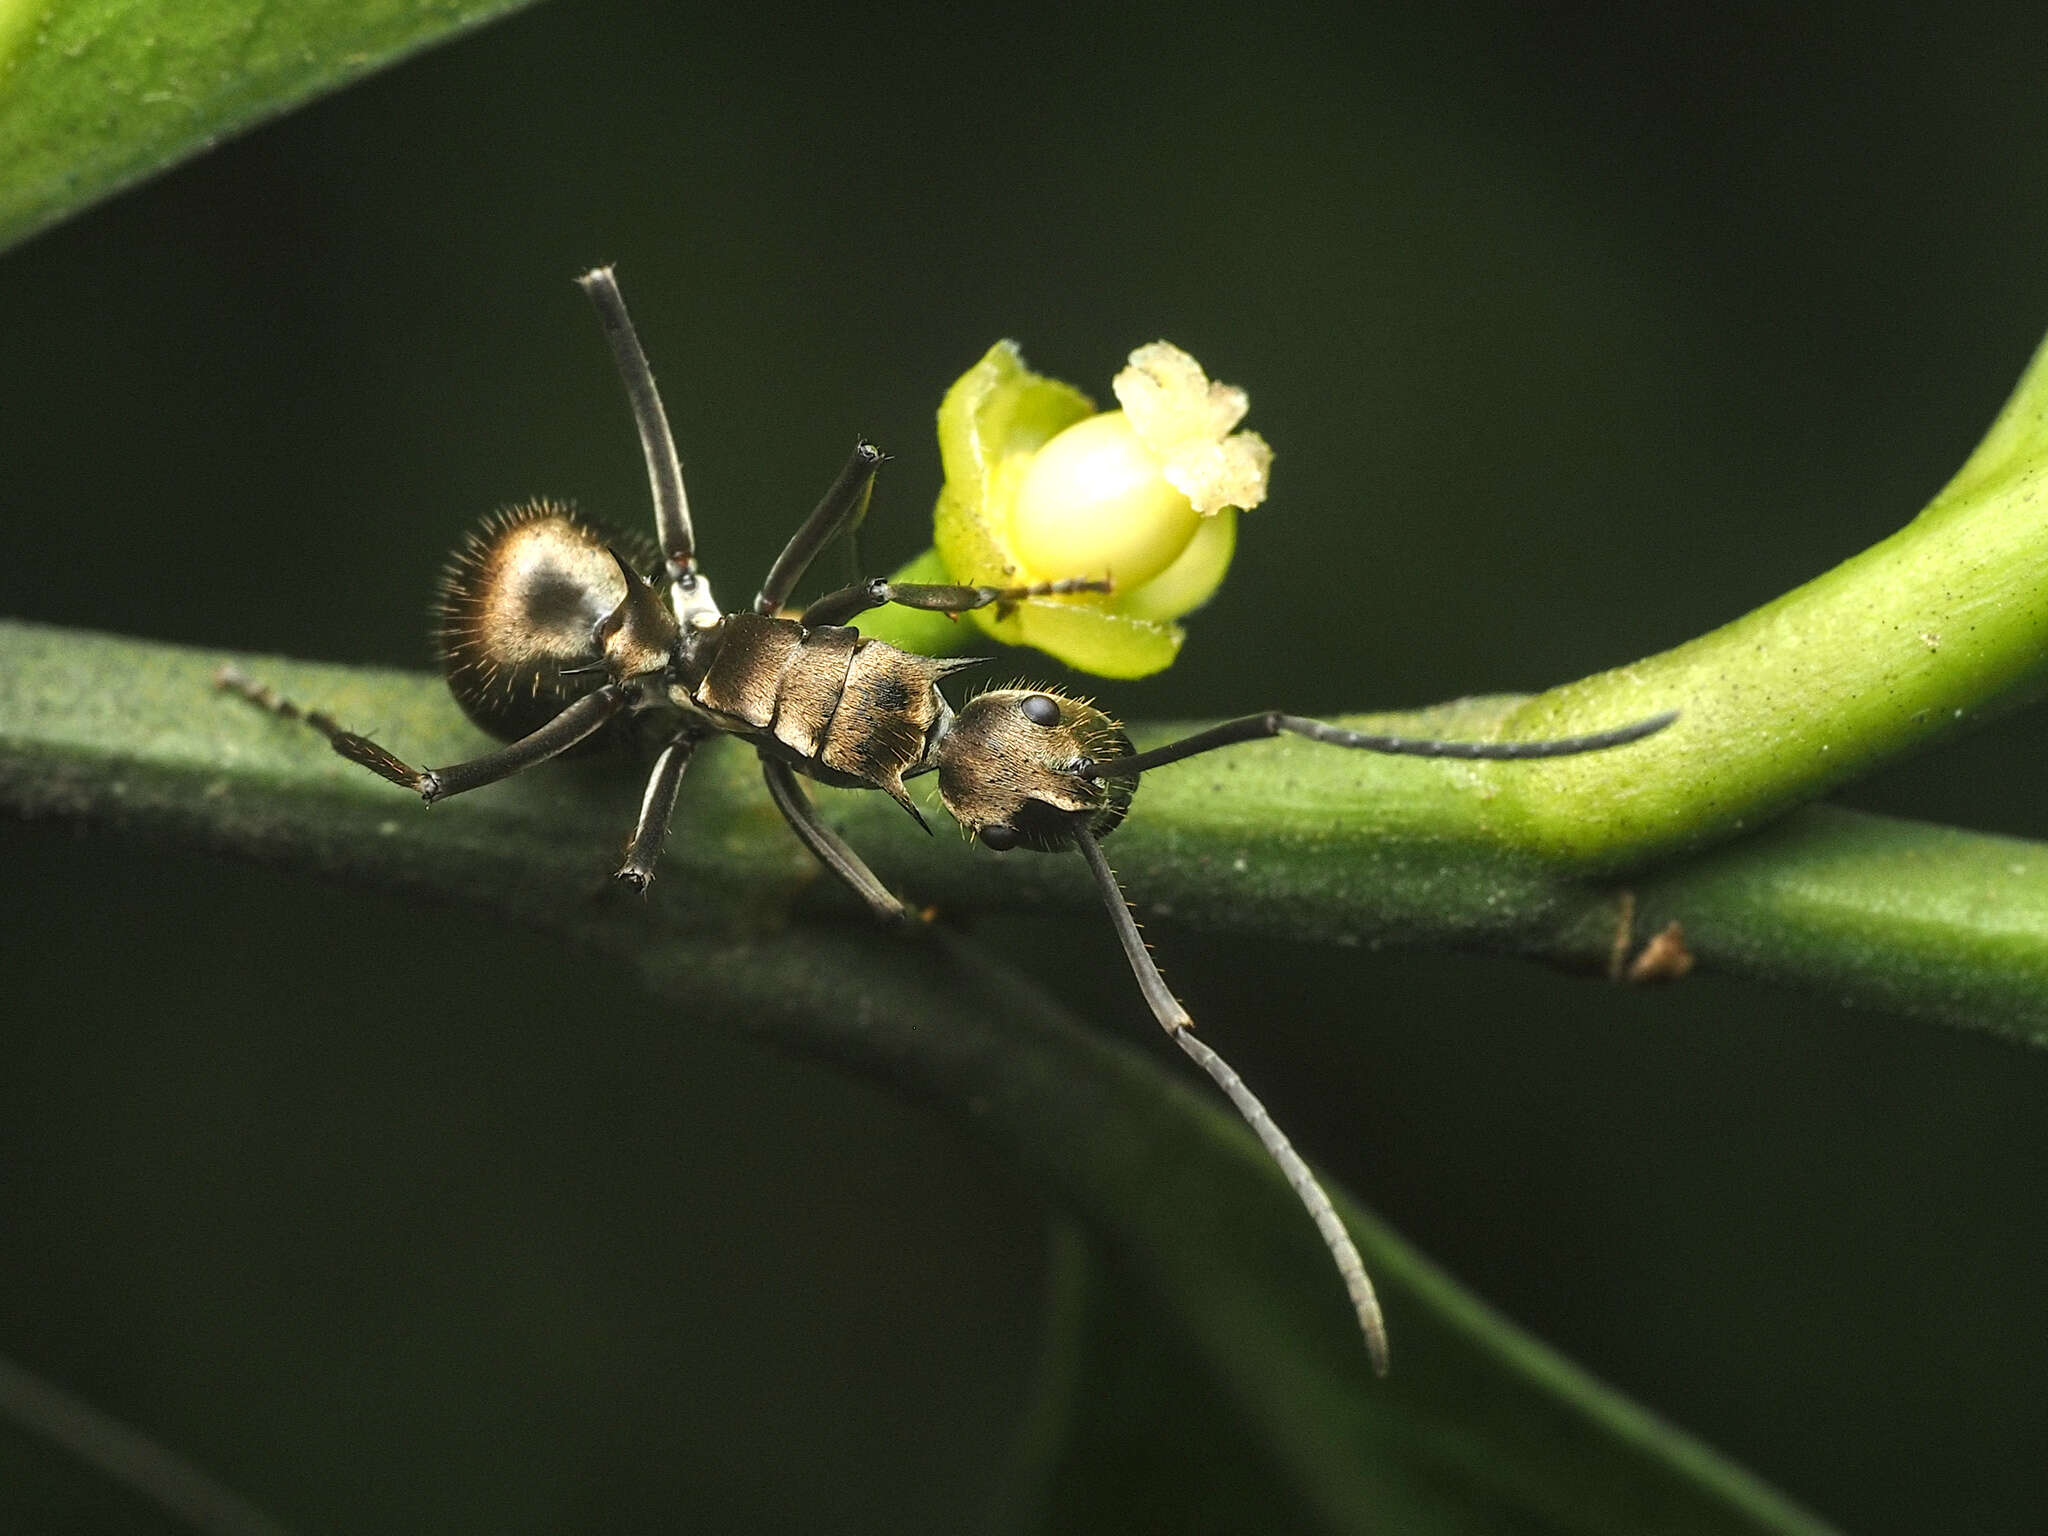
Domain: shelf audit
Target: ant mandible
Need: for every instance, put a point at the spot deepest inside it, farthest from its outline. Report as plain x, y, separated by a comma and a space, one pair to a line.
547, 634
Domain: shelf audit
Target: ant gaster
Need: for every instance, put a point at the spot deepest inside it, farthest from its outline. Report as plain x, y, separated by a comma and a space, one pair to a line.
548, 633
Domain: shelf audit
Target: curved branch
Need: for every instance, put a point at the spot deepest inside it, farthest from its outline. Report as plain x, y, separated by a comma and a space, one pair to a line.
1905, 645
1284, 837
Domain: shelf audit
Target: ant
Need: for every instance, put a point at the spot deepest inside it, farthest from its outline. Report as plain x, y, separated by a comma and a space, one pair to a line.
547, 634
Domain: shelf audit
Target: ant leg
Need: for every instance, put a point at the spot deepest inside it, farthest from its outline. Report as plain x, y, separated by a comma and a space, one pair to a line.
232, 679
657, 805
579, 720
829, 848
1273, 723
847, 602
853, 563
1174, 1019
845, 503
657, 443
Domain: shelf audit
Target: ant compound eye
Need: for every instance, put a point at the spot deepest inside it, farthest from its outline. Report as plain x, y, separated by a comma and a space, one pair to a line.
999, 837
1039, 709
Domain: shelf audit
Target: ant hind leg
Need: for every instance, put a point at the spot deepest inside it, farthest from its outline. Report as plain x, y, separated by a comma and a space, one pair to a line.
827, 846
357, 749
579, 720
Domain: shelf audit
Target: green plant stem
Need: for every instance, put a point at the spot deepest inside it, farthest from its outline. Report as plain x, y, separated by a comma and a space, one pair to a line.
1283, 837
1902, 646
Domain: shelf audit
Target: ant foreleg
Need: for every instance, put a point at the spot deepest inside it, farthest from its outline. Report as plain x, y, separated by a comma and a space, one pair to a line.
827, 846
1273, 723
844, 504
1174, 1019
657, 807
579, 720
838, 607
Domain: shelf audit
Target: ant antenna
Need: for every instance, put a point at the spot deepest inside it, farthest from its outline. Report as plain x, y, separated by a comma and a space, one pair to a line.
1273, 723
1174, 1019
657, 443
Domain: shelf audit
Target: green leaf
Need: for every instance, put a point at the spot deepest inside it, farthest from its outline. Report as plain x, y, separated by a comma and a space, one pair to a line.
1480, 1428
97, 94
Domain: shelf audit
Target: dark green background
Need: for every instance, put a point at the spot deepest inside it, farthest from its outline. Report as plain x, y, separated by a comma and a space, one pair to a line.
1576, 334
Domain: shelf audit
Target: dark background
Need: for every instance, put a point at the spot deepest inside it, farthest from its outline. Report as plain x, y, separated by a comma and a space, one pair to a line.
1577, 333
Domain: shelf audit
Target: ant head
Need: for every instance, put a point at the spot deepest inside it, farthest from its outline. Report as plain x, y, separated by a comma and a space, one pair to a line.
1006, 769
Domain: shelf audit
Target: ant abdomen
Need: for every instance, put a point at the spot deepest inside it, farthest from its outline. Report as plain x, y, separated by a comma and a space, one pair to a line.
518, 611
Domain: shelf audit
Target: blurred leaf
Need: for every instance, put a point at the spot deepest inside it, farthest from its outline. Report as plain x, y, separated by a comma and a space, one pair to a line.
97, 94
127, 1458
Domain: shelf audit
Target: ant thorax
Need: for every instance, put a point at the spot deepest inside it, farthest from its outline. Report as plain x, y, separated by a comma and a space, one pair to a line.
841, 708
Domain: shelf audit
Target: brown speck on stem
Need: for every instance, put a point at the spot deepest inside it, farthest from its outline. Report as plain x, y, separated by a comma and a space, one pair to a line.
1664, 958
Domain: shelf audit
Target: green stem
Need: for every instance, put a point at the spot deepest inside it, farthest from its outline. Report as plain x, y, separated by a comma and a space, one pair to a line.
1283, 837
1906, 644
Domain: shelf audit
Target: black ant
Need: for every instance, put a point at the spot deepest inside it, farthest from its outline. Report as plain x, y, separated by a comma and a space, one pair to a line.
547, 634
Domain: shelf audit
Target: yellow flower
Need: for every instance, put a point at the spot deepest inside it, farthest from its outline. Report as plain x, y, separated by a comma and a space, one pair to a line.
1039, 488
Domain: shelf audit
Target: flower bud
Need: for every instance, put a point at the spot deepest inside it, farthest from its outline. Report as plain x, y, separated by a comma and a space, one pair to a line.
1039, 487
